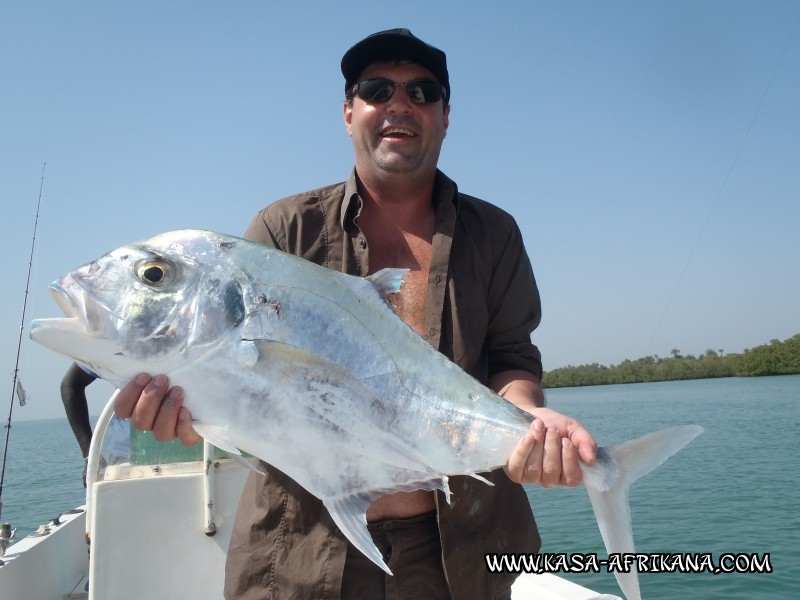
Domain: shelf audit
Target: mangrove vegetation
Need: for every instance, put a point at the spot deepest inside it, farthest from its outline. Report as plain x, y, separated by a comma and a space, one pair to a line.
775, 358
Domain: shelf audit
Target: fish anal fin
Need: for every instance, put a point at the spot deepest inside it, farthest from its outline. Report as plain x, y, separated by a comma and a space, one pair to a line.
349, 512
481, 478
350, 515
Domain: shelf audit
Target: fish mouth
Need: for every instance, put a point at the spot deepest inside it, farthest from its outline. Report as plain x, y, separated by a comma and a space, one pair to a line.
63, 299
82, 334
71, 299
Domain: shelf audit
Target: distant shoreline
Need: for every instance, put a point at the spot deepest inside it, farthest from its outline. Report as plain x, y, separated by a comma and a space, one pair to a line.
775, 358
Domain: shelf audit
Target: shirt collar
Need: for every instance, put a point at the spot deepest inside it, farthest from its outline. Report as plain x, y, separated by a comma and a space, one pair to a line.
351, 202
445, 195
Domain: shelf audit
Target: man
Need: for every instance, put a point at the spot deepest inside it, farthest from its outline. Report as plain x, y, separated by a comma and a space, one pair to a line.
73, 395
470, 292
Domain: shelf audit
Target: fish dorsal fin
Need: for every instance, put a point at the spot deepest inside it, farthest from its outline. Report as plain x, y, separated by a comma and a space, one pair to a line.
388, 281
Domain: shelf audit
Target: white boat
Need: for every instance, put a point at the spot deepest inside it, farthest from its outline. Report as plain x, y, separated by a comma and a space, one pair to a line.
159, 530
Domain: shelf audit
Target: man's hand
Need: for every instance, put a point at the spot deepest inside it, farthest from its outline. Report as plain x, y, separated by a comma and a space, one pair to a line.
549, 453
152, 405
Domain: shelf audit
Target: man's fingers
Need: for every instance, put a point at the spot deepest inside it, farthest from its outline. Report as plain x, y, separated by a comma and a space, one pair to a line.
152, 405
128, 396
185, 431
571, 474
146, 409
533, 464
587, 449
515, 468
551, 461
165, 423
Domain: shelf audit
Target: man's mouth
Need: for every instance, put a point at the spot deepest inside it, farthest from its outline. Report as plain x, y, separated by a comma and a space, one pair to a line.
397, 132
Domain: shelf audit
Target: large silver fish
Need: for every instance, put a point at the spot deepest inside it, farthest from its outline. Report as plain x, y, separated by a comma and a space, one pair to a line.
310, 370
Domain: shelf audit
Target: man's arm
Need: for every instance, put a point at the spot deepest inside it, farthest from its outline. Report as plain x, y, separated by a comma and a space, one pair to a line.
73, 395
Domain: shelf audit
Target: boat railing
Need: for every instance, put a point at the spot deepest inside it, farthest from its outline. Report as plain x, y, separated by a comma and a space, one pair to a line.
119, 452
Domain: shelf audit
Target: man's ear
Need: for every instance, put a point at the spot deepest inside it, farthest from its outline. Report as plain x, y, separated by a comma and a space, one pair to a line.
348, 115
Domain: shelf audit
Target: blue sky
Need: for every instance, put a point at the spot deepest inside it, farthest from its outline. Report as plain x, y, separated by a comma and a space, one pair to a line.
650, 151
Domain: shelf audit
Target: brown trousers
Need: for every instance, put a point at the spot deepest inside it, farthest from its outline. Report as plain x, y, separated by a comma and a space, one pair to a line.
413, 552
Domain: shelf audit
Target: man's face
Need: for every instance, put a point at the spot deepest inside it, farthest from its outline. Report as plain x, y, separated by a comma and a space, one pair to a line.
397, 136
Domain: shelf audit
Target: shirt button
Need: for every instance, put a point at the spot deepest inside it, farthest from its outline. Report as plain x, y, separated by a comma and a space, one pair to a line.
431, 332
388, 526
363, 244
438, 279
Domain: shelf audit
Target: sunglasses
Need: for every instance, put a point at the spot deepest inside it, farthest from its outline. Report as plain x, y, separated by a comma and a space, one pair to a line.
380, 89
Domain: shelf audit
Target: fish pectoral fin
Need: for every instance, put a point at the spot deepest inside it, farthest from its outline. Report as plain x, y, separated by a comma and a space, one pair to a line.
247, 353
350, 515
240, 460
216, 435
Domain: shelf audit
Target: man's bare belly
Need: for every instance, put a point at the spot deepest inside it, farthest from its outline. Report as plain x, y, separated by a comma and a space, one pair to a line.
401, 505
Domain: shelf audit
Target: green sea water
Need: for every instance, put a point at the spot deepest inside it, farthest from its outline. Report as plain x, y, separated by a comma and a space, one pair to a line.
735, 489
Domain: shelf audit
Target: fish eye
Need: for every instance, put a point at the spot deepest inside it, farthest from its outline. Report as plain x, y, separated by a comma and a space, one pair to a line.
155, 272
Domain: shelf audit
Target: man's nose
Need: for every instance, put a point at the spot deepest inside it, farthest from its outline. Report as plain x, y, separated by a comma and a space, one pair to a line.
400, 101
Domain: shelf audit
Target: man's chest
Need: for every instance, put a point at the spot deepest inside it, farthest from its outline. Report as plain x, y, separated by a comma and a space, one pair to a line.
405, 252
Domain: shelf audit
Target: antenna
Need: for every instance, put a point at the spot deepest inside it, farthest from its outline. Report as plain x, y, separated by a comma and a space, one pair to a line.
16, 381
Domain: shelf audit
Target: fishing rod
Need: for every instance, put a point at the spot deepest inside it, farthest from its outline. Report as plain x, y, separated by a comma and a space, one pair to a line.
16, 383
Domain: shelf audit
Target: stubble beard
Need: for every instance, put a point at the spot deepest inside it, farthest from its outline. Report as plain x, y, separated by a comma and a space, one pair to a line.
389, 162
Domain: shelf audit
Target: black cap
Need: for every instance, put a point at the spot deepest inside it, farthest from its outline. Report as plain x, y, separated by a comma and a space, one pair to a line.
393, 44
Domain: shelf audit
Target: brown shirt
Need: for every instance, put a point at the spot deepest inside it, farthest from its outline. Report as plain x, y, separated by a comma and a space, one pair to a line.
482, 305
